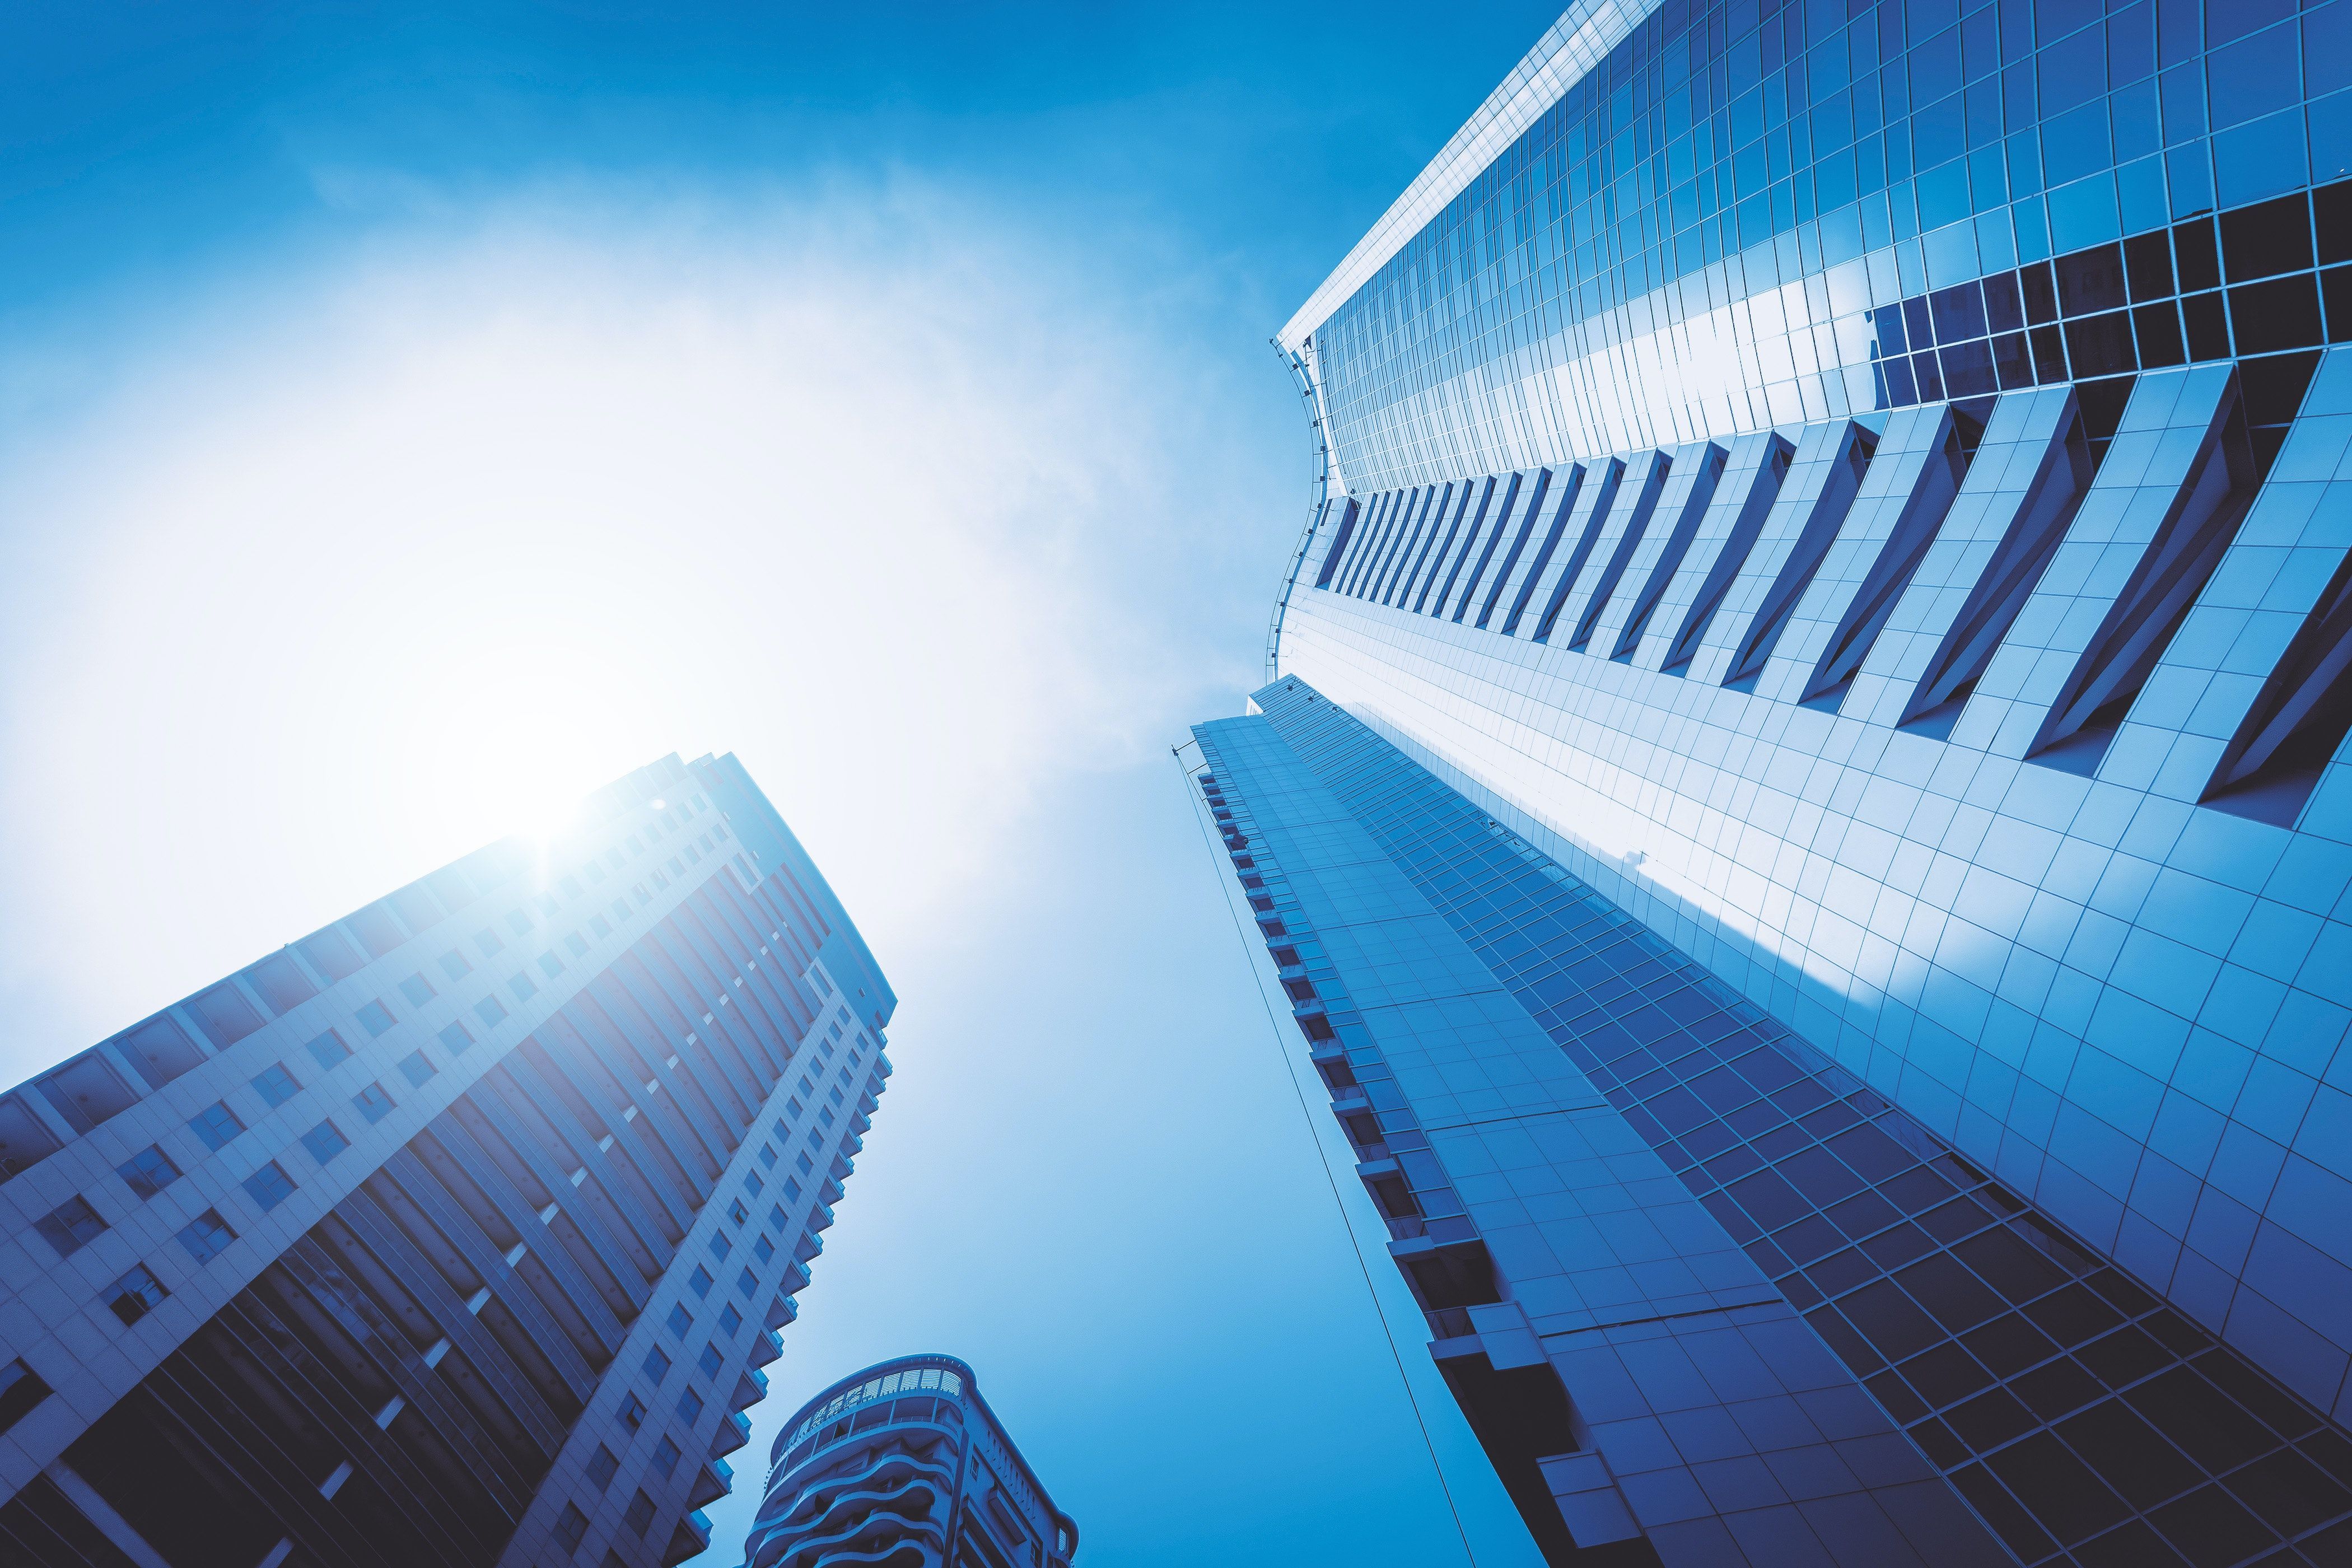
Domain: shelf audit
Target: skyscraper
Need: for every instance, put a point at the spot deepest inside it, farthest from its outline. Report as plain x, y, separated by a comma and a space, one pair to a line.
1798, 798
904, 1466
456, 1232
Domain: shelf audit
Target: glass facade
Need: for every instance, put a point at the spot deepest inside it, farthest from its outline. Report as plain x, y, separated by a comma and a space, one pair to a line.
454, 1233
1838, 554
1753, 214
904, 1463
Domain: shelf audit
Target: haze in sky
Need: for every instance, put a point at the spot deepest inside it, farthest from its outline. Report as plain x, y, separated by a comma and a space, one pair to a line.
411, 418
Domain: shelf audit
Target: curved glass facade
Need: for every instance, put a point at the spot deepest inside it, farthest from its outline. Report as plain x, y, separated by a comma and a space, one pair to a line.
904, 1466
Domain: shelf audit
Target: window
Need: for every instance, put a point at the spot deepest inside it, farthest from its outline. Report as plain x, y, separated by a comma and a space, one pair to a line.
325, 1141
491, 1011
767, 1155
793, 1108
374, 1017
700, 1281
719, 1244
455, 1039
372, 1102
601, 926
664, 1460
148, 1171
681, 1321
595, 872
737, 1212
454, 965
577, 944
487, 940
548, 906
640, 1517
729, 1321
524, 987
417, 989
764, 1250
806, 1168
21, 1388
633, 1413
776, 1216
571, 887
71, 1226
690, 1405
747, 1284
573, 1528
135, 1295
519, 922
657, 1366
416, 1069
752, 1184
550, 964
620, 909
603, 1467
270, 1185
206, 1236
276, 1085
215, 1124
328, 1050
710, 1360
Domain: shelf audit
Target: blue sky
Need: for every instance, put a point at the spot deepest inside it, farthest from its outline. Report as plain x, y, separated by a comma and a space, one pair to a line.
411, 414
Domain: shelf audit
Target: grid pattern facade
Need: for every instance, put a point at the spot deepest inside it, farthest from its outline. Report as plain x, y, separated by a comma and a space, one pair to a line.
1763, 214
904, 1466
458, 1231
2080, 1417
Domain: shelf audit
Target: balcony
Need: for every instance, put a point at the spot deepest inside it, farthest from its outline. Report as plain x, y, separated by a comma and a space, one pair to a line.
691, 1539
1350, 1101
820, 1215
781, 1309
810, 1243
750, 1389
732, 1433
767, 1348
713, 1481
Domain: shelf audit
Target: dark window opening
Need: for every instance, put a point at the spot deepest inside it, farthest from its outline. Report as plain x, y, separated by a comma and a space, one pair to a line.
1856, 446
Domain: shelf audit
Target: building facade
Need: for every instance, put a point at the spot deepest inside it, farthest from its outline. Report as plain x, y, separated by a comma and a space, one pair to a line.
1842, 509
454, 1233
904, 1466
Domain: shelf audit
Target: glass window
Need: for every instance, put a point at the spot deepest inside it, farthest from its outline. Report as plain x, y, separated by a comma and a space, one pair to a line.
524, 987
602, 1468
601, 926
519, 922
747, 1284
729, 1321
329, 1050
572, 1528
372, 1102
276, 1085
577, 944
665, 1456
633, 1413
71, 1226
764, 1250
454, 965
416, 1069
710, 1360
21, 1389
374, 1017
550, 964
136, 1294
206, 1236
325, 1141
689, 1403
215, 1124
417, 989
681, 1321
640, 1517
455, 1039
148, 1171
487, 941
270, 1185
490, 1011
657, 1366
700, 1281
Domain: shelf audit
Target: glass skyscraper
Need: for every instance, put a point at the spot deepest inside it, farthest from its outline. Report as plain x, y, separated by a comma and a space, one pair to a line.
454, 1233
904, 1466
1798, 801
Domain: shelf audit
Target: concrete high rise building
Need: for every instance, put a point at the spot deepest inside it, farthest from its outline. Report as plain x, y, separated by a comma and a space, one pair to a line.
904, 1466
454, 1233
1799, 796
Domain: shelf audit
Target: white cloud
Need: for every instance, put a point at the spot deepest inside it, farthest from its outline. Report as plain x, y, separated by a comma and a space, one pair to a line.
336, 581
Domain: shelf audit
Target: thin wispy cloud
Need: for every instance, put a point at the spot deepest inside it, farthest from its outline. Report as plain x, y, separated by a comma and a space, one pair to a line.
428, 533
